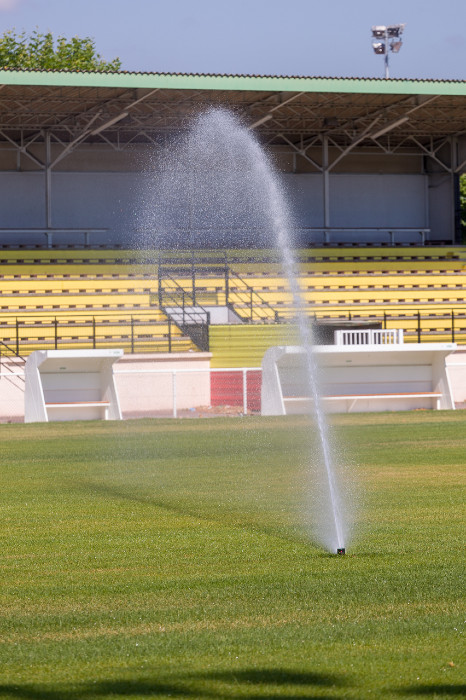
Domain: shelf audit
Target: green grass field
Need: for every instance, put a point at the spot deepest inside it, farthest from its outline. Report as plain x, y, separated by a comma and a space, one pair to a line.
169, 559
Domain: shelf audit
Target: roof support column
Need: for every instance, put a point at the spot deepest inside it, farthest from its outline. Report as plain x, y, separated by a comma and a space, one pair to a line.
325, 186
48, 184
455, 192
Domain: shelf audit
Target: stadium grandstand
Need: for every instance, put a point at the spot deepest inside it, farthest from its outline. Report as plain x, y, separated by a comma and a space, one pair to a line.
371, 168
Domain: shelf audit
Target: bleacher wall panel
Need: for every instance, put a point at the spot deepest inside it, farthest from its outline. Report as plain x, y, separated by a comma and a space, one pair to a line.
22, 200
378, 201
441, 210
119, 202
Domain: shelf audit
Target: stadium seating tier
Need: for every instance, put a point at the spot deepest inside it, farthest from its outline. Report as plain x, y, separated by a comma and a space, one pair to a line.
87, 298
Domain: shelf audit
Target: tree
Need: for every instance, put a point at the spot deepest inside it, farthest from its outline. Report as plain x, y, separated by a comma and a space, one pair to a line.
41, 51
463, 203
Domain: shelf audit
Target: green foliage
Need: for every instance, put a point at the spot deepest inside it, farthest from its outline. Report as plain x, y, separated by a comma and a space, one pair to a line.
165, 559
463, 202
41, 51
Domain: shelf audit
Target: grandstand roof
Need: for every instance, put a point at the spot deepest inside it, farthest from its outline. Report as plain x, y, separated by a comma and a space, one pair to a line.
123, 108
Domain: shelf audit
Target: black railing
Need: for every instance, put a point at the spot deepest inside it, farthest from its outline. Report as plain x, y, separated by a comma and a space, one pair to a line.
144, 333
137, 333
181, 305
448, 325
6, 351
243, 295
238, 294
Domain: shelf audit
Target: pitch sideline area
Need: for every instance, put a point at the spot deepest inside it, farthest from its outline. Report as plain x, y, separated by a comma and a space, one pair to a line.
169, 558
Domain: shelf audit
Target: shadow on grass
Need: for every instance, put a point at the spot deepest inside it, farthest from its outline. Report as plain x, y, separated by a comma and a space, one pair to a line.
434, 690
234, 519
246, 683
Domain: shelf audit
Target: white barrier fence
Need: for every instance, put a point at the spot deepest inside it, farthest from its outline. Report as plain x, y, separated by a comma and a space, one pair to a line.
180, 395
369, 336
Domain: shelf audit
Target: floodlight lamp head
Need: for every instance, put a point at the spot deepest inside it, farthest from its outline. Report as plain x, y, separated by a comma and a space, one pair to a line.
378, 32
395, 46
379, 47
395, 30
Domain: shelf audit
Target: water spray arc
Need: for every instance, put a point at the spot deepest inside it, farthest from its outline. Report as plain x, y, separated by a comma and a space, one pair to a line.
281, 221
235, 188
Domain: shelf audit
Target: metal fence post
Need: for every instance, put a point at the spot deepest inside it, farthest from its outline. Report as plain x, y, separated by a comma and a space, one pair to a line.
227, 282
174, 393
56, 332
418, 326
193, 277
132, 335
245, 391
159, 278
17, 336
93, 332
452, 325
169, 334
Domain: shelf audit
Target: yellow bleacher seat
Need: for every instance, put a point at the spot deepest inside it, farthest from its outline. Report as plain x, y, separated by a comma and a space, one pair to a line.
335, 283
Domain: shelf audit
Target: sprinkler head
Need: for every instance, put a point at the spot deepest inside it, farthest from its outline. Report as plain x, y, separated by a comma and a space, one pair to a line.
341, 550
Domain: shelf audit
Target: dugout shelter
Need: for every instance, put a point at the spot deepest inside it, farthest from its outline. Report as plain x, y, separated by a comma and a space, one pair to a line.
64, 385
365, 161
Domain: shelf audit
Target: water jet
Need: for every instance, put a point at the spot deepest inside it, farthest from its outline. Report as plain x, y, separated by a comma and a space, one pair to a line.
217, 183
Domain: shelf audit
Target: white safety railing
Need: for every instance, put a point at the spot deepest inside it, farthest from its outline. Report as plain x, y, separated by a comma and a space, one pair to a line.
369, 336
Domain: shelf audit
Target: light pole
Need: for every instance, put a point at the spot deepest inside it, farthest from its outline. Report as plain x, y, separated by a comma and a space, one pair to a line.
386, 39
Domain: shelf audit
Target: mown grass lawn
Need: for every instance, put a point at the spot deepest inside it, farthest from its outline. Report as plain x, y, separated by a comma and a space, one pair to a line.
157, 559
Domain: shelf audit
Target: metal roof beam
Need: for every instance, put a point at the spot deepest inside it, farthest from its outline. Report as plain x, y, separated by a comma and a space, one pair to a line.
461, 166
269, 114
23, 149
432, 154
302, 153
76, 141
364, 135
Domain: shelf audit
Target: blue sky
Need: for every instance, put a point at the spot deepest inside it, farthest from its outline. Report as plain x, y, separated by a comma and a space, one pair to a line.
273, 37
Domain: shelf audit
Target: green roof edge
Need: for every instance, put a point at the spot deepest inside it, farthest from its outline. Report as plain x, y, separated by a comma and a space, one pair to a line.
127, 80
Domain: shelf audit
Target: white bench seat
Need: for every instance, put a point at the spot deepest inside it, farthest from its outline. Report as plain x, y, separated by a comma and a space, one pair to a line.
77, 409
408, 394
77, 404
353, 398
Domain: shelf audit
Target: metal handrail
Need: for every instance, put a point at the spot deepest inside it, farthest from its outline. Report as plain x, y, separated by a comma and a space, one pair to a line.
181, 293
12, 353
105, 331
98, 332
252, 296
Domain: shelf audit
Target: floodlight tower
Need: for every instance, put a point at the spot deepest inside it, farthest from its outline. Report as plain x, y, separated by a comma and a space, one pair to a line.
386, 39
